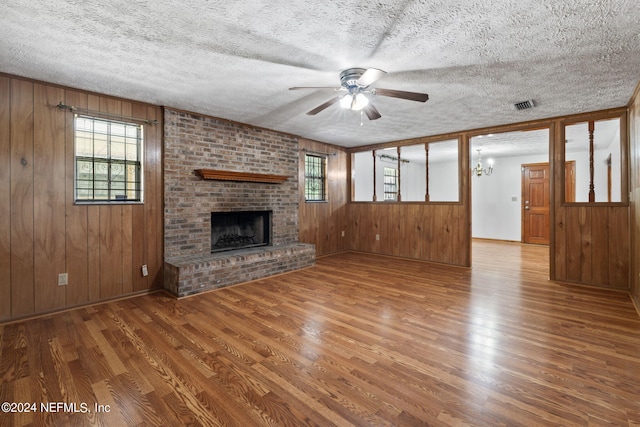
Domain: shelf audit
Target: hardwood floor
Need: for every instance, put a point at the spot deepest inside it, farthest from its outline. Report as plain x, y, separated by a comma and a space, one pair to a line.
357, 340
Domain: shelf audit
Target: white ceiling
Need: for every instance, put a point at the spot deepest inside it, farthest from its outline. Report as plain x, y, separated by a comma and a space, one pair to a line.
236, 60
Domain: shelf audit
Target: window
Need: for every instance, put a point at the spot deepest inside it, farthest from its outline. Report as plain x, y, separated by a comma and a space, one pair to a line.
315, 178
108, 160
594, 171
362, 176
426, 172
443, 171
390, 183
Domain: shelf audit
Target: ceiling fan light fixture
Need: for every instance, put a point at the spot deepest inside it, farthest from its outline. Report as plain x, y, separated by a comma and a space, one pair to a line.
356, 82
355, 102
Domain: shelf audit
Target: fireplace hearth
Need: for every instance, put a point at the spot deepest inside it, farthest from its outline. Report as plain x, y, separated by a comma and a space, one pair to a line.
240, 230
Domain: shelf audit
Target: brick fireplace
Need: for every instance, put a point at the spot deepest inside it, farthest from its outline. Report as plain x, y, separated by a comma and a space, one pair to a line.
195, 142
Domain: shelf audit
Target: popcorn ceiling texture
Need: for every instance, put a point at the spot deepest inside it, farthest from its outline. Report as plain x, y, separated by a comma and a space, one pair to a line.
236, 60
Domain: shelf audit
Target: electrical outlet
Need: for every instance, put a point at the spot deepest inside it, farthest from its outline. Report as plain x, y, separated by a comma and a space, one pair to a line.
63, 279
145, 270
342, 233
377, 237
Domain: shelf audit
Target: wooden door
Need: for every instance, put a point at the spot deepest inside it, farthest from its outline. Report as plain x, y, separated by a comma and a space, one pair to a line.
535, 203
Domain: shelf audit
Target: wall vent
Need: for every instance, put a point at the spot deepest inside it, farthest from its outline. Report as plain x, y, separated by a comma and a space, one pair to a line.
524, 105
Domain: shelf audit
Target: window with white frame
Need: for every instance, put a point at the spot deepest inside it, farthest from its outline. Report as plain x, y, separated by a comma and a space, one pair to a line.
390, 183
108, 160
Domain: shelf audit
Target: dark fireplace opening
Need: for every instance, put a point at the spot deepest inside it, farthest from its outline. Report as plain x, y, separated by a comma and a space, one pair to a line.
238, 230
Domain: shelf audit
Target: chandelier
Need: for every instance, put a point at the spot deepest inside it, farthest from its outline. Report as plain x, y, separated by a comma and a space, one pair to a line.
480, 170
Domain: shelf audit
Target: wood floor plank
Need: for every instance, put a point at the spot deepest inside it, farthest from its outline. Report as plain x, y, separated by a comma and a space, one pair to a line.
357, 340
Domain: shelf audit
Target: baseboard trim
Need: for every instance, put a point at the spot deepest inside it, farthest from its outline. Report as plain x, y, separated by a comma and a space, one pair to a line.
77, 306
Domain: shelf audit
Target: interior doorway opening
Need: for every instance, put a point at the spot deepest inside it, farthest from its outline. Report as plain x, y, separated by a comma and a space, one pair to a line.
497, 196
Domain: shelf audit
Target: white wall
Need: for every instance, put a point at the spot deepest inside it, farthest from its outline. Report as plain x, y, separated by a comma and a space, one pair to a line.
413, 182
616, 169
443, 182
494, 214
362, 177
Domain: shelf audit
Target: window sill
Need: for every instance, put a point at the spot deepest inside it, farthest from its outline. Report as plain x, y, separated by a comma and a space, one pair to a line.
105, 202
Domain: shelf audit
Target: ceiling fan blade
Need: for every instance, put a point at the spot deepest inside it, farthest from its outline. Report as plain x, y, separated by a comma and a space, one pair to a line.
371, 112
314, 87
411, 96
370, 76
325, 105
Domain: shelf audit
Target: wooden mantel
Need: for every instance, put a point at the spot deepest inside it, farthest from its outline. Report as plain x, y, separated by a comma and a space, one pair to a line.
240, 176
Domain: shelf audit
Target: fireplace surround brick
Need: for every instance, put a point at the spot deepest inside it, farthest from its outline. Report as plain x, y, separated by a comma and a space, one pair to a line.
197, 273
196, 142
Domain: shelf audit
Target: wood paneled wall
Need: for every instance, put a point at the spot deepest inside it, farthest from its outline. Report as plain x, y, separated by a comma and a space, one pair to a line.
322, 223
634, 154
43, 233
590, 241
430, 232
438, 232
102, 247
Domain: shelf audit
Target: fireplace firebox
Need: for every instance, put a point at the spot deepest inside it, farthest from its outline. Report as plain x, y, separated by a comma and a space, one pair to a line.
240, 230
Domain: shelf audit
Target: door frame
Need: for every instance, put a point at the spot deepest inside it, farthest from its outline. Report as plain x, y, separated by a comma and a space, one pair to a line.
552, 128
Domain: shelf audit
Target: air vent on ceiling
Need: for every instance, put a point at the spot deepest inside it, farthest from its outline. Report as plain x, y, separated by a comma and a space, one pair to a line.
524, 105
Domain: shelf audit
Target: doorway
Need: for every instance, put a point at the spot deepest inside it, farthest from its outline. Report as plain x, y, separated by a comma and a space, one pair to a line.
497, 197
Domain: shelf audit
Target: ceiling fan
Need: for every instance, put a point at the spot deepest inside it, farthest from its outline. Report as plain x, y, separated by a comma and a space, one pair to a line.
356, 83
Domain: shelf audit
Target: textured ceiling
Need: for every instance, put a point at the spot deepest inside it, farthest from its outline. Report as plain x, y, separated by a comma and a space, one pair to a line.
236, 60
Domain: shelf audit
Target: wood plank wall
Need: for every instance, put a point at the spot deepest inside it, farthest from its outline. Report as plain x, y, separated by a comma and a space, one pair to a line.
322, 223
590, 241
438, 232
430, 232
42, 232
634, 154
